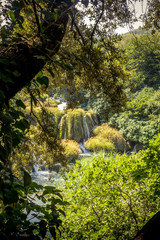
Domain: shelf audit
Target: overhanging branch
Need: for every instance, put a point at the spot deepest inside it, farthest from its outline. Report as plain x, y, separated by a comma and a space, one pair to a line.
29, 59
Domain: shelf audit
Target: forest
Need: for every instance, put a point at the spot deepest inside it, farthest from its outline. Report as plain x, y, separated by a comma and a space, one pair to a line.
79, 120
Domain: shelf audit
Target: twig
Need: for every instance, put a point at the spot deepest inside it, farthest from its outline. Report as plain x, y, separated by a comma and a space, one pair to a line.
77, 29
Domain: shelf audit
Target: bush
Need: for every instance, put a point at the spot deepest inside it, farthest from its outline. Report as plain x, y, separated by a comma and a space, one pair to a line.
107, 139
71, 149
97, 144
139, 121
112, 197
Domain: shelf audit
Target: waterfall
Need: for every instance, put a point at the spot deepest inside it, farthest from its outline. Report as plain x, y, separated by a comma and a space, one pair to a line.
92, 121
75, 124
65, 133
82, 148
86, 129
45, 176
84, 151
62, 106
36, 168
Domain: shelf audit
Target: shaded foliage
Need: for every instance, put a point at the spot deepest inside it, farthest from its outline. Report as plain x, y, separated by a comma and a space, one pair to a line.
31, 36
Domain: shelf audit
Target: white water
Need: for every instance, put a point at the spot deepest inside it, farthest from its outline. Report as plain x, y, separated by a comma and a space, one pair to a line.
46, 177
84, 151
86, 129
62, 106
65, 134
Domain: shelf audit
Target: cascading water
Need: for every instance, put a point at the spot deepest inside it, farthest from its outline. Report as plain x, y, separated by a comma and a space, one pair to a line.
62, 106
65, 134
77, 125
84, 151
74, 124
86, 129
46, 176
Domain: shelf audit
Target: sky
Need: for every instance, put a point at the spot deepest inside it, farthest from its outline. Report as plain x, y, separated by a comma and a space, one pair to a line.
140, 8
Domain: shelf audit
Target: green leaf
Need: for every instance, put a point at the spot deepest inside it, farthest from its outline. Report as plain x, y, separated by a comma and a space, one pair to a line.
53, 232
43, 81
43, 228
28, 12
40, 74
62, 212
22, 124
27, 179
51, 72
19, 103
5, 118
12, 16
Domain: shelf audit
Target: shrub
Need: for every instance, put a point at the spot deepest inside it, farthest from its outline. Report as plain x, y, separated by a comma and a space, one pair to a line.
139, 120
96, 144
112, 197
50, 103
106, 138
71, 149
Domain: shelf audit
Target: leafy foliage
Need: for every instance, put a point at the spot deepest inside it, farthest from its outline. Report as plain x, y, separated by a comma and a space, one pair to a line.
96, 144
142, 54
139, 121
21, 216
30, 37
71, 149
111, 197
107, 139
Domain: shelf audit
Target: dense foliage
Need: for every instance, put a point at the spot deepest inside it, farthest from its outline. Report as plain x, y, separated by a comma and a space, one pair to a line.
71, 150
140, 120
50, 37
21, 216
111, 197
142, 52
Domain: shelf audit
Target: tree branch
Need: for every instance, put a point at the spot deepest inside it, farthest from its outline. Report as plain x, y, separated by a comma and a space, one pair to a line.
77, 29
29, 60
95, 26
37, 20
